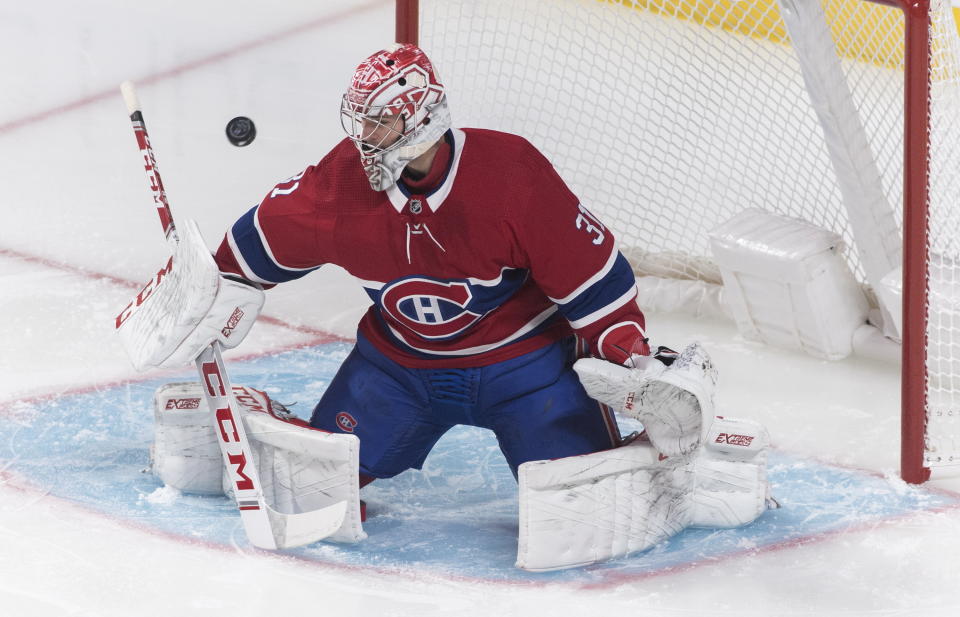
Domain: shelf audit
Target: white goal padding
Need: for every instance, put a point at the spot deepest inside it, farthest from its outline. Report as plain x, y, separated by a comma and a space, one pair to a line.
787, 284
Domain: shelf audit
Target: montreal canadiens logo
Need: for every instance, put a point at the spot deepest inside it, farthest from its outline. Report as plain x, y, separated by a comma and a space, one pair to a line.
432, 309
346, 422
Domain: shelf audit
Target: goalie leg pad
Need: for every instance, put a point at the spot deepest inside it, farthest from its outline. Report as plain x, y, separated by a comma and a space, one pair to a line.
185, 454
731, 475
583, 509
301, 468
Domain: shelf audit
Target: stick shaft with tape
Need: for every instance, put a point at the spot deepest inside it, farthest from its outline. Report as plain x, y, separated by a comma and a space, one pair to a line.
264, 526
149, 161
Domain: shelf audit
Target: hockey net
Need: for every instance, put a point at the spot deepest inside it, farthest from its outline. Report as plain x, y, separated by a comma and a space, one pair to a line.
669, 117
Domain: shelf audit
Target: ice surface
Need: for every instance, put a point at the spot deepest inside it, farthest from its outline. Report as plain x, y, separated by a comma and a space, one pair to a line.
455, 518
84, 533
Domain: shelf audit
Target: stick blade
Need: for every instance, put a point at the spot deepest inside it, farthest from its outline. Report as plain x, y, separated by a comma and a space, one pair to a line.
258, 527
292, 530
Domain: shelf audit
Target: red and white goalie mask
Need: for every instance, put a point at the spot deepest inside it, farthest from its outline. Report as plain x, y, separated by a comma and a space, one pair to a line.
394, 110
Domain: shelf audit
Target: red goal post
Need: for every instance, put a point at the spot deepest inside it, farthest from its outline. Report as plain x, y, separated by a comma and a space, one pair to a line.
887, 53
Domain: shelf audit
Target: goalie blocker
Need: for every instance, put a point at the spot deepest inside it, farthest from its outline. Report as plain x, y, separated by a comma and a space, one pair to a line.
187, 306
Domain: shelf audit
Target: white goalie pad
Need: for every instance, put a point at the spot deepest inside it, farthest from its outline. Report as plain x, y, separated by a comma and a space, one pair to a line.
185, 453
730, 475
585, 509
187, 306
301, 468
674, 403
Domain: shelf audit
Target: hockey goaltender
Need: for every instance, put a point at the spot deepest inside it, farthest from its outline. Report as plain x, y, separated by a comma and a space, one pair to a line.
498, 301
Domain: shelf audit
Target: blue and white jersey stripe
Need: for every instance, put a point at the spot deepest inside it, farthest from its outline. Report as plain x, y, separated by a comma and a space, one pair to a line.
535, 326
610, 288
253, 253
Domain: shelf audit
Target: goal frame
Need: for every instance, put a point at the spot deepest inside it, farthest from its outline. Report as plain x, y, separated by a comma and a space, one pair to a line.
916, 171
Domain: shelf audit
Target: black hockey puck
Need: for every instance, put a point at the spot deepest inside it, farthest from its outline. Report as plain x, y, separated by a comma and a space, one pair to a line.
241, 131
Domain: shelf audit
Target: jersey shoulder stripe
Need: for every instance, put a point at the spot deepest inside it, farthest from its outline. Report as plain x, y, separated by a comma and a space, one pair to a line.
604, 271
253, 252
602, 295
607, 309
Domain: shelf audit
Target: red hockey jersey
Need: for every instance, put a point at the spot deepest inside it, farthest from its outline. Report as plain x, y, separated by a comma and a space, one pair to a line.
496, 259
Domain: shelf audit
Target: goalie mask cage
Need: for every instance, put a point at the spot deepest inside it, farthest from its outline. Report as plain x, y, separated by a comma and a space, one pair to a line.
669, 117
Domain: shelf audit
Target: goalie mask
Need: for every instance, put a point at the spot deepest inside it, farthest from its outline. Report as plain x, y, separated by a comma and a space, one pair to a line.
394, 110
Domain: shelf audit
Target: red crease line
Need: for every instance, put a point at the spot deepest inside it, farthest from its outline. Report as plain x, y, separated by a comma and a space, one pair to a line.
122, 282
613, 579
318, 337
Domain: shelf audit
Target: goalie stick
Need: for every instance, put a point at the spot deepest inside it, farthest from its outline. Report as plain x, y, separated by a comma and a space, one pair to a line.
264, 526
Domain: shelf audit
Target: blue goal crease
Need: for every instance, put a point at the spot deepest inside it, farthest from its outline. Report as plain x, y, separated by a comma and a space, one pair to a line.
457, 517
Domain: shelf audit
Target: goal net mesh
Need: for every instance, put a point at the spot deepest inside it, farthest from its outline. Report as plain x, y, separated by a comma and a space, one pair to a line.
669, 117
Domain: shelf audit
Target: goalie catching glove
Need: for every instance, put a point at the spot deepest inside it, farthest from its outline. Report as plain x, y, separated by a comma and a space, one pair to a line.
673, 401
186, 307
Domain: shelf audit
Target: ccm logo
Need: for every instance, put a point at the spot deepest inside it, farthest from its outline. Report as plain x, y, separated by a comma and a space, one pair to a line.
628, 403
229, 430
735, 440
144, 293
183, 403
248, 399
232, 322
